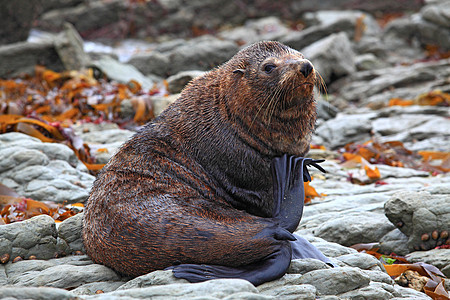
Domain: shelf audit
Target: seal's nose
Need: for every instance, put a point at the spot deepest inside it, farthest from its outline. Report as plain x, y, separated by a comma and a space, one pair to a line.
306, 68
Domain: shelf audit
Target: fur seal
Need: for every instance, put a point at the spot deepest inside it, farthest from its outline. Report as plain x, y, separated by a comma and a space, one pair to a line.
213, 187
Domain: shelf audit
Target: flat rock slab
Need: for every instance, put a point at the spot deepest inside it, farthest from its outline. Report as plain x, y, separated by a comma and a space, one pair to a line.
42, 171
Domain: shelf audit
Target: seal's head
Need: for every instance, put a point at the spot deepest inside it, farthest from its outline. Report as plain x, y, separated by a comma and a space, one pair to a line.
276, 69
272, 92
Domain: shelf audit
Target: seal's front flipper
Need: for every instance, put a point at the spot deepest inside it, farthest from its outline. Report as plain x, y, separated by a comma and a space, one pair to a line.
272, 267
288, 174
301, 248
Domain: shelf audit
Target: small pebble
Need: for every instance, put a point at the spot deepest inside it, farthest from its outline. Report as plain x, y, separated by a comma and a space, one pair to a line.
18, 258
4, 258
435, 235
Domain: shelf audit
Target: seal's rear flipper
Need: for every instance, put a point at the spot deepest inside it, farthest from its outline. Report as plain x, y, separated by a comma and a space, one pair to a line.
301, 248
272, 267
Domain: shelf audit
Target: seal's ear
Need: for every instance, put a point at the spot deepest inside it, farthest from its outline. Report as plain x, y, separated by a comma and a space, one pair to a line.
239, 71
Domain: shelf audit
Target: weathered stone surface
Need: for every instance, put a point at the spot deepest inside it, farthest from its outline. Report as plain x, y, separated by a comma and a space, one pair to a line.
16, 19
408, 293
69, 46
178, 81
42, 171
301, 292
354, 228
332, 56
154, 278
269, 28
361, 85
121, 72
302, 266
93, 287
19, 58
375, 291
219, 288
362, 261
336, 280
36, 236
36, 293
70, 231
201, 53
161, 103
419, 213
394, 241
439, 258
345, 129
66, 276
379, 276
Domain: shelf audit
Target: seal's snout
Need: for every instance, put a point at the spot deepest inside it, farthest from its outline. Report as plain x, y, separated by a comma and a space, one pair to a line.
306, 68
303, 65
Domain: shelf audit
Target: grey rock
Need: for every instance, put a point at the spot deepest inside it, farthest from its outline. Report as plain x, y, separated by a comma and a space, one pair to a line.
269, 28
345, 129
42, 171
66, 276
362, 260
408, 293
155, 62
35, 236
302, 39
246, 296
326, 110
218, 288
401, 123
121, 72
201, 53
19, 58
379, 276
301, 292
161, 103
375, 291
333, 17
359, 86
36, 293
368, 61
303, 266
178, 81
336, 280
107, 136
333, 249
438, 13
93, 287
69, 46
16, 20
332, 56
394, 241
439, 258
286, 280
419, 213
159, 277
354, 228
70, 231
85, 17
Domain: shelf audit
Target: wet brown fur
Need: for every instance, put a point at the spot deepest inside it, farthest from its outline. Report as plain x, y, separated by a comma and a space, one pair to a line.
194, 185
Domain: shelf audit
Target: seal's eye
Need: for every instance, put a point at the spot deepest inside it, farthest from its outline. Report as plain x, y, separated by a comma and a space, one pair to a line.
269, 68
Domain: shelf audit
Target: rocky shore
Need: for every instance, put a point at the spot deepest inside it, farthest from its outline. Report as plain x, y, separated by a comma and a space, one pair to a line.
364, 66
